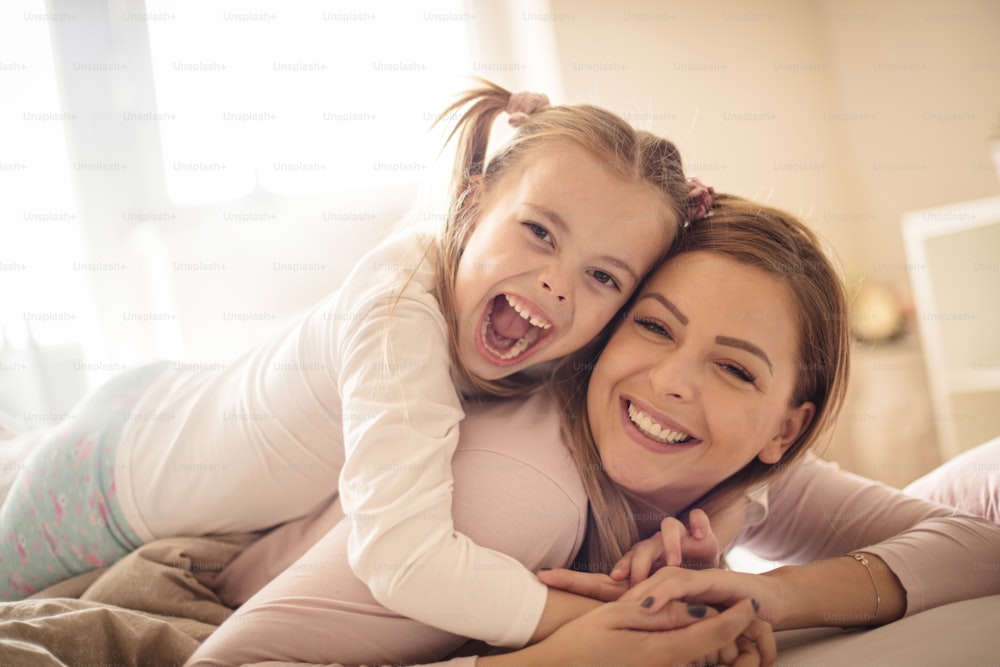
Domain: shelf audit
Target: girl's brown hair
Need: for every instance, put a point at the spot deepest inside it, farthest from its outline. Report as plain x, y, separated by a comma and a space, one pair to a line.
634, 154
783, 247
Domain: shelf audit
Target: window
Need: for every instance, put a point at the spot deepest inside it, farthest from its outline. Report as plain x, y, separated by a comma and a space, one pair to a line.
301, 98
40, 251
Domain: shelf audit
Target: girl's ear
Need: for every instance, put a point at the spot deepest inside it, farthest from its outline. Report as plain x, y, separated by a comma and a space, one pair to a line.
470, 205
796, 421
473, 193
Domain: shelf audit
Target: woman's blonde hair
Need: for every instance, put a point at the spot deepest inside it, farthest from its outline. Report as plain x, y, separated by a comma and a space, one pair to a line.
634, 154
785, 248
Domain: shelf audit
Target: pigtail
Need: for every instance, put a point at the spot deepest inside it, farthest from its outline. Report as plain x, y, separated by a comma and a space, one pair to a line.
473, 131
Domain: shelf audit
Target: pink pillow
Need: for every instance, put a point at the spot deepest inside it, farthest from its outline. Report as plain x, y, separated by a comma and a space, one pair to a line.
970, 482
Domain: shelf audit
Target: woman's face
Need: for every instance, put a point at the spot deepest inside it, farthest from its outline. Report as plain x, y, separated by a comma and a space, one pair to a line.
697, 381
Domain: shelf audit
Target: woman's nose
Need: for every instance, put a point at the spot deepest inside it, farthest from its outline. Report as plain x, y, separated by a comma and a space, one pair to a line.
674, 375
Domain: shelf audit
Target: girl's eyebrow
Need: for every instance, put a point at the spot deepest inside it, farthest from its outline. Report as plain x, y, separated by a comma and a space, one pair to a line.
746, 345
563, 228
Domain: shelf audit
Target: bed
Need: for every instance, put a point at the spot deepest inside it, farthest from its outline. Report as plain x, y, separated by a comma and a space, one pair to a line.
156, 605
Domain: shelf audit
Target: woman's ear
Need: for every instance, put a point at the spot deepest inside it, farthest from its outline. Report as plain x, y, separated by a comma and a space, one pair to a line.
796, 421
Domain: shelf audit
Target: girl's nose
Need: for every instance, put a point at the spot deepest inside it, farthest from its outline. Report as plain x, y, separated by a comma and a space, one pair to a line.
556, 283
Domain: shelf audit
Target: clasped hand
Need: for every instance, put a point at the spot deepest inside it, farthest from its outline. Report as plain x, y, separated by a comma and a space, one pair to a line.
644, 595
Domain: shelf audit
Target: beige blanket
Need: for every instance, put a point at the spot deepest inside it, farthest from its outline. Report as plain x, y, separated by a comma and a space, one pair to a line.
154, 607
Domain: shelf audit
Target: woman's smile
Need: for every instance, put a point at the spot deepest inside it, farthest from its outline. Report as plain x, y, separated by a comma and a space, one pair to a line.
654, 431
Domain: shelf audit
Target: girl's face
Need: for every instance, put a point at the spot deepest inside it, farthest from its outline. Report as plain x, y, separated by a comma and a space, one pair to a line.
559, 246
697, 381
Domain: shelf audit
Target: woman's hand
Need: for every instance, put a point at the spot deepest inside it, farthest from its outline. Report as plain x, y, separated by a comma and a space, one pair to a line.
714, 587
693, 546
622, 633
719, 588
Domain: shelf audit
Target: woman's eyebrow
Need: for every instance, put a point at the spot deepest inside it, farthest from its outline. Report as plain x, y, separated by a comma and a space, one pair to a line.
745, 345
666, 304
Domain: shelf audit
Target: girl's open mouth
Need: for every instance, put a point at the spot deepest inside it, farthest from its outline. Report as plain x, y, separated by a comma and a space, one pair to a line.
511, 330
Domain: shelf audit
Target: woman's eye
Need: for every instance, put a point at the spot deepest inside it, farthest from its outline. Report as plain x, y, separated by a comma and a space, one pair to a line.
739, 373
539, 231
652, 326
605, 279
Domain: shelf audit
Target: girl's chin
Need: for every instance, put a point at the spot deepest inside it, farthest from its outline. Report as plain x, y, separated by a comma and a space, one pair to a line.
482, 368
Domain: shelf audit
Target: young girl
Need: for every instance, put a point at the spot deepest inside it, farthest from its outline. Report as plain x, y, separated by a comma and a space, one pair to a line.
544, 243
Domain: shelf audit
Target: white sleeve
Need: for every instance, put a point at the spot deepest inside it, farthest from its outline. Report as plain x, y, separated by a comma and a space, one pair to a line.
401, 425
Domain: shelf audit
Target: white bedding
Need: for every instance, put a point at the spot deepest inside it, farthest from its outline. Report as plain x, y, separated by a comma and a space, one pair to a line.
963, 633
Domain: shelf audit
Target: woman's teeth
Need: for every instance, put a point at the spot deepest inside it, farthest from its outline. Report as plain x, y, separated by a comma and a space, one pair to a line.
653, 429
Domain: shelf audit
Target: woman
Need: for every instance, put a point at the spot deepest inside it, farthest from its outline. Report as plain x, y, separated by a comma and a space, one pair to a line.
726, 368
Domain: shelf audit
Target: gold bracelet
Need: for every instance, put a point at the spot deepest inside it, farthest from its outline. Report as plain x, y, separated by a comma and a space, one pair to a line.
878, 599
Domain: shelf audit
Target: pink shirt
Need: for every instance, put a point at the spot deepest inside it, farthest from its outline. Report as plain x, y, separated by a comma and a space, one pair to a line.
516, 491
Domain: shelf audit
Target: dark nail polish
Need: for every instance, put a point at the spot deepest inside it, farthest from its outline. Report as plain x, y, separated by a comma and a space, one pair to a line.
697, 610
647, 603
756, 605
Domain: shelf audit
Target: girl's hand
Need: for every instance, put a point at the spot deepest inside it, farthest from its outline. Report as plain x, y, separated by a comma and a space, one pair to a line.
616, 634
589, 584
692, 546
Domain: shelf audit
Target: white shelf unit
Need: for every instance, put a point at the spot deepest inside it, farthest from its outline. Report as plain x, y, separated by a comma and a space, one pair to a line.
953, 257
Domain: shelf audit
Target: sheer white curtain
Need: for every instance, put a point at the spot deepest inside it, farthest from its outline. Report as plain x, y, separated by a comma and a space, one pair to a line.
302, 97
128, 130
46, 311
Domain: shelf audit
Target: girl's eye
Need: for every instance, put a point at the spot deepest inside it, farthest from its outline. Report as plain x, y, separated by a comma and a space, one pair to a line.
539, 231
739, 373
652, 326
605, 279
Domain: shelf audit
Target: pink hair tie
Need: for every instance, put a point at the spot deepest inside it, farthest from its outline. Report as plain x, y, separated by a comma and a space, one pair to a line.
700, 200
522, 105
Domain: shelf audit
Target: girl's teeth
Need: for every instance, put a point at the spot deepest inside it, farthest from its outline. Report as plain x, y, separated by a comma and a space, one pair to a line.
653, 429
514, 350
523, 312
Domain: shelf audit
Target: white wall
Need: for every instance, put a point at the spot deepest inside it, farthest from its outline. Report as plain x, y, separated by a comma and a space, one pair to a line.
846, 112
